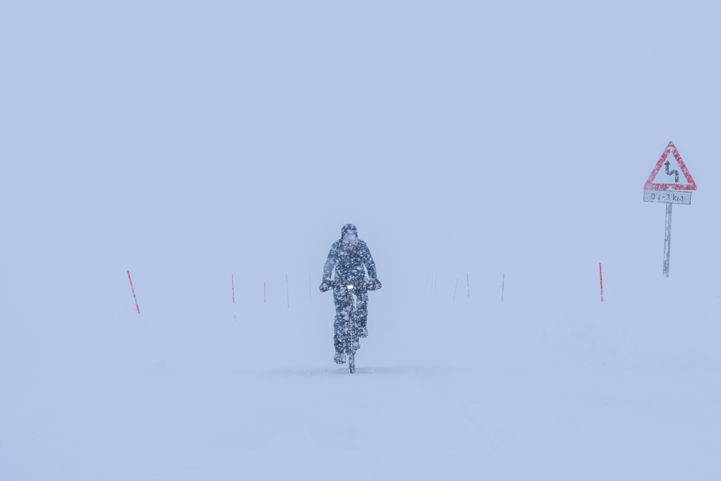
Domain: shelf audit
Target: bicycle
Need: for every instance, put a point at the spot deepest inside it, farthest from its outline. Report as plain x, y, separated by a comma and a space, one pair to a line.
350, 331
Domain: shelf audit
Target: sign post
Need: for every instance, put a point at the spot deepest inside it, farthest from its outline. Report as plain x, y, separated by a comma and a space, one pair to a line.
667, 240
665, 185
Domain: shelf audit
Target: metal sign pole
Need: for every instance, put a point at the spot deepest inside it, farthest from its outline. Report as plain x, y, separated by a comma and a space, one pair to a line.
667, 241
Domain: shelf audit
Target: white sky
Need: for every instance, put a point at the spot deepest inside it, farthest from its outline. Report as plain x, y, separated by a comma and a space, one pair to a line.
175, 136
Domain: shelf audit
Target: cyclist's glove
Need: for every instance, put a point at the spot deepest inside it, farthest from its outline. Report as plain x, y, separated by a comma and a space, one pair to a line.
325, 286
374, 285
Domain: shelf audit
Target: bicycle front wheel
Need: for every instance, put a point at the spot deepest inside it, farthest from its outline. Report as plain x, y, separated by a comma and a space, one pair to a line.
351, 362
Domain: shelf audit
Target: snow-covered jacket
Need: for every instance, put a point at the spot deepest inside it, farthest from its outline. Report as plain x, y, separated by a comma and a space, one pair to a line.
348, 263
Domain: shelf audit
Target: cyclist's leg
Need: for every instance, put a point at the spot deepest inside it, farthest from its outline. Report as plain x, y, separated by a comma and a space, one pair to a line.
362, 307
340, 306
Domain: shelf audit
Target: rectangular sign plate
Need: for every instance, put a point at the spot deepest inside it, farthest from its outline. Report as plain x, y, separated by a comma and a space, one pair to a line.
667, 196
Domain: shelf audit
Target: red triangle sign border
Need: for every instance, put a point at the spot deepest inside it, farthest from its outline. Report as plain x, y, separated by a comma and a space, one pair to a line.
650, 185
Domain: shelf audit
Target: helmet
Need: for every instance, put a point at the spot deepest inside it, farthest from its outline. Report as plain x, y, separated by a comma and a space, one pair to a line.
348, 228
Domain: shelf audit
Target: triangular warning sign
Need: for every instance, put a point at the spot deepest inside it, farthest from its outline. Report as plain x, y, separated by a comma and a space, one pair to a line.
670, 172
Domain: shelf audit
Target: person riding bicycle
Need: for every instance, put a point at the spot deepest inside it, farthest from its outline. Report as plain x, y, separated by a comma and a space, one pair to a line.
348, 256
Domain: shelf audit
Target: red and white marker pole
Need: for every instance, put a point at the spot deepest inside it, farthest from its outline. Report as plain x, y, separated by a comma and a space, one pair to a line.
600, 276
133, 291
232, 286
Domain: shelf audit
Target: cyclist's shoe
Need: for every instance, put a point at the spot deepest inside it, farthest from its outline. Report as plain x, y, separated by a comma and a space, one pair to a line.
363, 331
339, 358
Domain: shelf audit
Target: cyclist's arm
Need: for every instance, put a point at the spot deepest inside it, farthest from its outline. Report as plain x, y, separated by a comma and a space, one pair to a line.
369, 263
330, 263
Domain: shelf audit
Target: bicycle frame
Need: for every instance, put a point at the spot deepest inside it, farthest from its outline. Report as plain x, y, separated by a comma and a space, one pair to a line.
350, 329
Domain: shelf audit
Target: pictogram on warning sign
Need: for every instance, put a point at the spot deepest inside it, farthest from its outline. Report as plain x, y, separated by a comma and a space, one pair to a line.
670, 172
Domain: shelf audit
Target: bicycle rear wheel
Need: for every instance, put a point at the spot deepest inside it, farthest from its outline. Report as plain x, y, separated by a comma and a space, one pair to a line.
351, 362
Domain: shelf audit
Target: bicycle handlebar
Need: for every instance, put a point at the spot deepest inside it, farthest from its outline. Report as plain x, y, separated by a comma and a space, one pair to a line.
370, 286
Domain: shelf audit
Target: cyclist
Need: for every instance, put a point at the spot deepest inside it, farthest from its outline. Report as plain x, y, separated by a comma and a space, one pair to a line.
349, 256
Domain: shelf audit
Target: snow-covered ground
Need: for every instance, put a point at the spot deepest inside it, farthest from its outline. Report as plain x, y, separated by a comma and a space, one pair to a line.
449, 391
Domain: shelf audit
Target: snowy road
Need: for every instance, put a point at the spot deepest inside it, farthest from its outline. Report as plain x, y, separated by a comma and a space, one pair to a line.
490, 399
